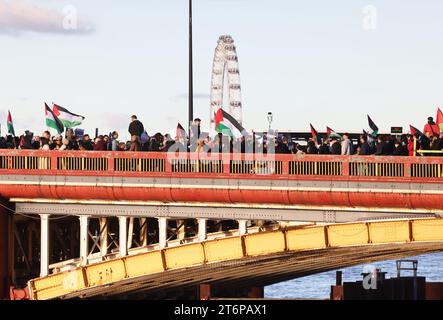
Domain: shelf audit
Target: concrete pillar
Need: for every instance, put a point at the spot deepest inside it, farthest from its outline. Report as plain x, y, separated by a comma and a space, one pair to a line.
84, 240
44, 245
123, 236
103, 236
242, 227
144, 232
202, 229
162, 232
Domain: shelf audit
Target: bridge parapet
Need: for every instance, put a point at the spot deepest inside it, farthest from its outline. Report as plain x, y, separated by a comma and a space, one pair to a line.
233, 164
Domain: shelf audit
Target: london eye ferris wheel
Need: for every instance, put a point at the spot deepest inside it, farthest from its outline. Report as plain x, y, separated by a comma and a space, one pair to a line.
225, 69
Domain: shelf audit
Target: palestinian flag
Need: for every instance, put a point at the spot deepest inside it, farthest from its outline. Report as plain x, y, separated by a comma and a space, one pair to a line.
52, 121
415, 131
372, 126
180, 133
440, 119
314, 134
11, 130
69, 119
332, 134
224, 121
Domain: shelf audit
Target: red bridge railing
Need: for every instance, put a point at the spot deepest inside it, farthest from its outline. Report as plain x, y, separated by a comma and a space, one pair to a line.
243, 165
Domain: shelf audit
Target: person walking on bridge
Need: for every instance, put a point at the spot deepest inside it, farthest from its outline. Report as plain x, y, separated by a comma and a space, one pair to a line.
346, 145
135, 129
431, 127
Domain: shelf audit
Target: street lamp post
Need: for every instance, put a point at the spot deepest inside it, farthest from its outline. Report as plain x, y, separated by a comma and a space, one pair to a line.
191, 88
270, 117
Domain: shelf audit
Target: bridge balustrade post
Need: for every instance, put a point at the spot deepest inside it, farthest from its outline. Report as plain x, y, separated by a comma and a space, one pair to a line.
202, 229
44, 245
242, 227
123, 236
84, 240
162, 232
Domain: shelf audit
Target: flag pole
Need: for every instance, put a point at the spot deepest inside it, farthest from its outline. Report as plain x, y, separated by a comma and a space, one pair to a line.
415, 146
191, 88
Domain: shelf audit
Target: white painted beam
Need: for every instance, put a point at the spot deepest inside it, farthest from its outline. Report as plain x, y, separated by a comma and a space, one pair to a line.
163, 232
84, 240
123, 236
202, 233
44, 245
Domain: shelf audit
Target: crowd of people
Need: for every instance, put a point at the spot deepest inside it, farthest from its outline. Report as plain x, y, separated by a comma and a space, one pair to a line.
367, 144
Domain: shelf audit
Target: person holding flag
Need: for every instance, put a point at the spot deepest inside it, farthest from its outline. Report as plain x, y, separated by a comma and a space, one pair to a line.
331, 134
440, 119
224, 122
52, 121
69, 119
420, 141
314, 134
373, 126
11, 130
431, 127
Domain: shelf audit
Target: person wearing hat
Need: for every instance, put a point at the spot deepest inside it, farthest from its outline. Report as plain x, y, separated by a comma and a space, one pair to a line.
135, 129
431, 127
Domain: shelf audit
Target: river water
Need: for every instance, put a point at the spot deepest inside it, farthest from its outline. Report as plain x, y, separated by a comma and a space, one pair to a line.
318, 286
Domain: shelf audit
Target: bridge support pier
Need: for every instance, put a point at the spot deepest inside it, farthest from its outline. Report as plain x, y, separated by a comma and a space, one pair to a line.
123, 236
44, 245
84, 239
242, 227
202, 231
162, 232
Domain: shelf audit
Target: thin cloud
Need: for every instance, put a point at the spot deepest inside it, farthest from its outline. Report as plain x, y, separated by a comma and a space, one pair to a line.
18, 16
197, 96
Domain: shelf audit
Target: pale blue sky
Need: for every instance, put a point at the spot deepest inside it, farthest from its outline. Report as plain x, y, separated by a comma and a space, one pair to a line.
306, 61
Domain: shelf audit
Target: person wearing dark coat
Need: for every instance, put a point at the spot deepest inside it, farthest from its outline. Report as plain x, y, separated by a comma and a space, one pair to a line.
312, 148
364, 146
100, 144
87, 143
335, 147
282, 147
380, 149
398, 150
324, 148
135, 129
